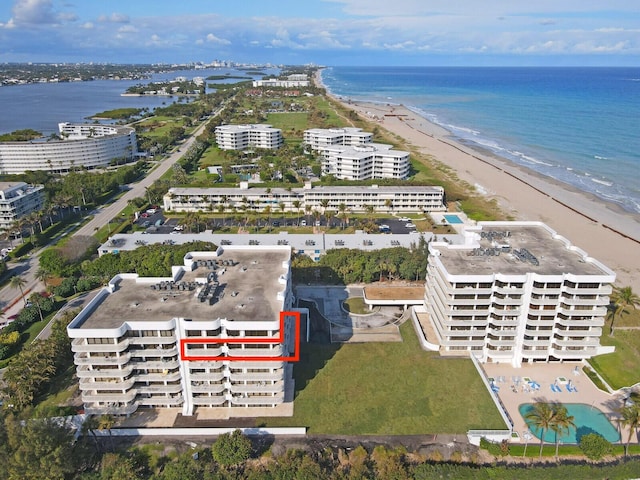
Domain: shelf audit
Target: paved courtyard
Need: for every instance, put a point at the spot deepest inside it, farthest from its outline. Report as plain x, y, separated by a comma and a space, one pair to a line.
514, 389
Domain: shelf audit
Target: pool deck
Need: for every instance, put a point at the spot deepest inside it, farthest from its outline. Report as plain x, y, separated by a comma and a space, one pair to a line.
545, 375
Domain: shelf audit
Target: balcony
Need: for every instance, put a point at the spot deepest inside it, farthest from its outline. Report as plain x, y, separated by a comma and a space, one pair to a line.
85, 372
535, 353
501, 342
122, 397
205, 387
155, 365
276, 351
570, 322
499, 354
603, 290
160, 401
276, 387
82, 358
541, 323
574, 354
575, 342
591, 332
154, 352
90, 384
535, 342
259, 400
199, 351
257, 377
206, 400
160, 340
78, 345
215, 376
170, 388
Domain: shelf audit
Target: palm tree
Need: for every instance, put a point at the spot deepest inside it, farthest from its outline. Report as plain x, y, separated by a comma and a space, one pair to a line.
296, 205
18, 282
342, 211
562, 422
621, 298
43, 276
542, 418
631, 419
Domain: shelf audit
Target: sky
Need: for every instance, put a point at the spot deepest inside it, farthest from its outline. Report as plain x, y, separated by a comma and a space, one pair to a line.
324, 32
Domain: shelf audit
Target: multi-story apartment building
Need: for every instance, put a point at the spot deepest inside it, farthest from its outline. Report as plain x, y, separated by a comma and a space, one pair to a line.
82, 145
365, 162
319, 138
351, 199
516, 292
294, 80
349, 154
211, 335
17, 199
239, 137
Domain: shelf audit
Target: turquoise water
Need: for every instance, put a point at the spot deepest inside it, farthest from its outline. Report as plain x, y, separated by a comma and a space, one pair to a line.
588, 419
577, 125
453, 219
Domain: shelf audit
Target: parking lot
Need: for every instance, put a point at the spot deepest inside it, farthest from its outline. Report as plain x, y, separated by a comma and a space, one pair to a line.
156, 222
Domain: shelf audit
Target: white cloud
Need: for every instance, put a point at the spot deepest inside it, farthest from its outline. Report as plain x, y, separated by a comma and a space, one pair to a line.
114, 18
36, 12
127, 29
211, 38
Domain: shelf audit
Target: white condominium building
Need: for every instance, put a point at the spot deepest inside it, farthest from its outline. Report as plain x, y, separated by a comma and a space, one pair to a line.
353, 199
294, 80
82, 145
517, 292
17, 199
211, 335
239, 137
319, 138
365, 162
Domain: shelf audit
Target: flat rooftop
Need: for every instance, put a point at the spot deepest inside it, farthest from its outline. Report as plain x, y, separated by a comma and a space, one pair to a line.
247, 290
552, 255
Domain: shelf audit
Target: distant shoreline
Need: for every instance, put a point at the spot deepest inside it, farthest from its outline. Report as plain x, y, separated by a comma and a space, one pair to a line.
604, 230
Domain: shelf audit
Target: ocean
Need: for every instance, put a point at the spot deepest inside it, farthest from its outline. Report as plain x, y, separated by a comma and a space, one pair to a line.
580, 126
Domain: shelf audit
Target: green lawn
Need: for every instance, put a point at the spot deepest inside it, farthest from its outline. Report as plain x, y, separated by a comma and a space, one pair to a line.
387, 388
620, 369
288, 121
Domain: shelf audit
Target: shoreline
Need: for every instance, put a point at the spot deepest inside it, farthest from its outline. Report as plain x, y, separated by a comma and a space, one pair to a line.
604, 230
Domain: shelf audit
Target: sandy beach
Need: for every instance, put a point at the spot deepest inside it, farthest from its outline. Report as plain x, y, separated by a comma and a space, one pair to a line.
605, 231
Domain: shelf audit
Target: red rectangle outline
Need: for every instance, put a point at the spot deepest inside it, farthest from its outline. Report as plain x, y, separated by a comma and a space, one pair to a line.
265, 341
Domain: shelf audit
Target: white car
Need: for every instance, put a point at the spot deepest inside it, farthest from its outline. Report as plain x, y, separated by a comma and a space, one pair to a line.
178, 228
303, 223
410, 225
404, 219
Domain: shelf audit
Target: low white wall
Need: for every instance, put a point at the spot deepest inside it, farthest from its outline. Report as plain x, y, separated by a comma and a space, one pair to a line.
141, 432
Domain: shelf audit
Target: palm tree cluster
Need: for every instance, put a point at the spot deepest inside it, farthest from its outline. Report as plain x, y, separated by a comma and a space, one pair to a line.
552, 416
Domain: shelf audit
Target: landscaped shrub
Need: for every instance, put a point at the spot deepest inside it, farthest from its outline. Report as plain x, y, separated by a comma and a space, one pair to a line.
496, 449
595, 446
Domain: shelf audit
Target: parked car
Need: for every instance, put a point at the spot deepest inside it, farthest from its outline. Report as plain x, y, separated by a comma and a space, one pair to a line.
410, 225
303, 223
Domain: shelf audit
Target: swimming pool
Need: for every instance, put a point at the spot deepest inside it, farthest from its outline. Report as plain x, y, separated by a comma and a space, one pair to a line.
452, 219
588, 419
